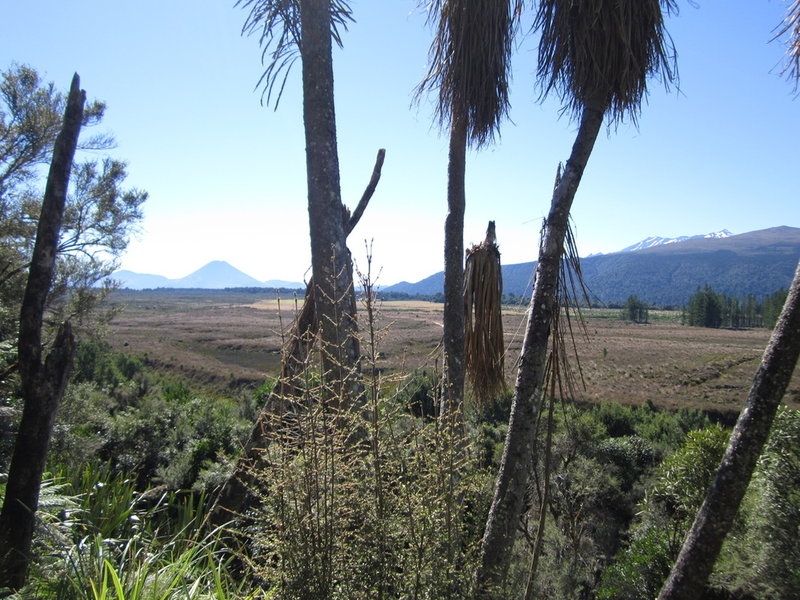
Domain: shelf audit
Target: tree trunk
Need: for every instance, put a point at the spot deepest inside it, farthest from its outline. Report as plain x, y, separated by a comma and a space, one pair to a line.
332, 267
518, 453
42, 383
235, 494
713, 521
453, 319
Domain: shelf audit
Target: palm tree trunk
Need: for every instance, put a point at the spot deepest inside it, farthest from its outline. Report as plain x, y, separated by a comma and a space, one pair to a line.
518, 454
332, 267
714, 519
453, 395
42, 382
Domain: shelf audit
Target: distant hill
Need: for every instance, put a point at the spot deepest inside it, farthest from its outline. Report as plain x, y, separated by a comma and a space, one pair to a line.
215, 275
759, 263
140, 281
429, 286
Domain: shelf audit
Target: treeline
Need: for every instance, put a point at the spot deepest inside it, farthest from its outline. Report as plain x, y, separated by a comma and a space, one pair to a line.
387, 296
707, 308
636, 311
397, 296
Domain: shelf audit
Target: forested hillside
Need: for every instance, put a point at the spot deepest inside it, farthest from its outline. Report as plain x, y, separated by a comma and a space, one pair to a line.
757, 263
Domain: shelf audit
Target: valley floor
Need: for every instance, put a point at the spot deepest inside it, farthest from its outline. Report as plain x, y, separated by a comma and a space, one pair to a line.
229, 339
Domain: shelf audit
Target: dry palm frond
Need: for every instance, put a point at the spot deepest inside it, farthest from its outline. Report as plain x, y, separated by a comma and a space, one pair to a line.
470, 62
564, 368
561, 373
277, 23
791, 27
572, 293
483, 334
604, 51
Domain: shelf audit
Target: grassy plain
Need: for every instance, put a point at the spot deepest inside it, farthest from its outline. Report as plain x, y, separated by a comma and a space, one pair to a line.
224, 340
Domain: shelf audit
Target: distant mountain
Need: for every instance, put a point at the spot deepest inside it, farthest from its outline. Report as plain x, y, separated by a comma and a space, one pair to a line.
653, 241
280, 283
759, 263
216, 275
434, 284
140, 281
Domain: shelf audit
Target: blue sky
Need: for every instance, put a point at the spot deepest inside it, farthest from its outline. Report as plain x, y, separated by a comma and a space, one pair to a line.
226, 175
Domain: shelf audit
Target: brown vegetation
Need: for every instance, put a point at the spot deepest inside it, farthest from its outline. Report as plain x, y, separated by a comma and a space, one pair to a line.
226, 339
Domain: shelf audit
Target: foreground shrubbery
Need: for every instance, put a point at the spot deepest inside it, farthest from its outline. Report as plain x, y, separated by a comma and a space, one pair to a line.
99, 538
156, 431
760, 558
391, 506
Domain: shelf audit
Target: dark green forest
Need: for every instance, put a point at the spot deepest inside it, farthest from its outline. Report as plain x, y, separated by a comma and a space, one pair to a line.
707, 308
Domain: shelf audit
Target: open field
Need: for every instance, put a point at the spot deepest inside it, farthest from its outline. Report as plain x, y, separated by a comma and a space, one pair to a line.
228, 339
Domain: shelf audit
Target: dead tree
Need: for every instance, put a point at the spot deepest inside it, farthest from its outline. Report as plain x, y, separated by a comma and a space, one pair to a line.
42, 381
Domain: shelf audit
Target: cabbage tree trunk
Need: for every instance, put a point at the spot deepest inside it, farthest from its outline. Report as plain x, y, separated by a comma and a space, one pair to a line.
453, 316
518, 453
332, 267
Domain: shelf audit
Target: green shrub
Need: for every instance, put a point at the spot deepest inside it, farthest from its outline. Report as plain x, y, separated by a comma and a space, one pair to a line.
643, 569
618, 420
639, 570
632, 456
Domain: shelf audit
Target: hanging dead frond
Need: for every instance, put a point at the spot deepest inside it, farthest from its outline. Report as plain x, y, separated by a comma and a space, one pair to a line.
483, 334
604, 51
791, 28
277, 23
470, 62
563, 372
570, 325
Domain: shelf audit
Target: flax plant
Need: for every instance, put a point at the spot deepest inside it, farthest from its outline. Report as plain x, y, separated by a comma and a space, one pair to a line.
362, 508
107, 541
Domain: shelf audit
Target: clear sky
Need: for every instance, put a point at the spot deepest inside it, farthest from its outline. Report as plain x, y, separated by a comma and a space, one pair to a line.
226, 175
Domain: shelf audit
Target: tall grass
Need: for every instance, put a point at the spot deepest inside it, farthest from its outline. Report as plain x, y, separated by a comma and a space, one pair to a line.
364, 499
115, 543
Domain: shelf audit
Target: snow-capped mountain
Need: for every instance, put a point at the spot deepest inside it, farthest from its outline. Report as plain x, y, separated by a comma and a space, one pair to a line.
653, 241
757, 263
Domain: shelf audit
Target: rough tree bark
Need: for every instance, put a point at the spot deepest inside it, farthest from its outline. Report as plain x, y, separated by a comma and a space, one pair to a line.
334, 296
518, 453
42, 382
453, 320
714, 519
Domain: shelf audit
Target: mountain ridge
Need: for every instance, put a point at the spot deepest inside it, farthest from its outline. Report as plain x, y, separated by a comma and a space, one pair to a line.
757, 262
654, 240
217, 274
